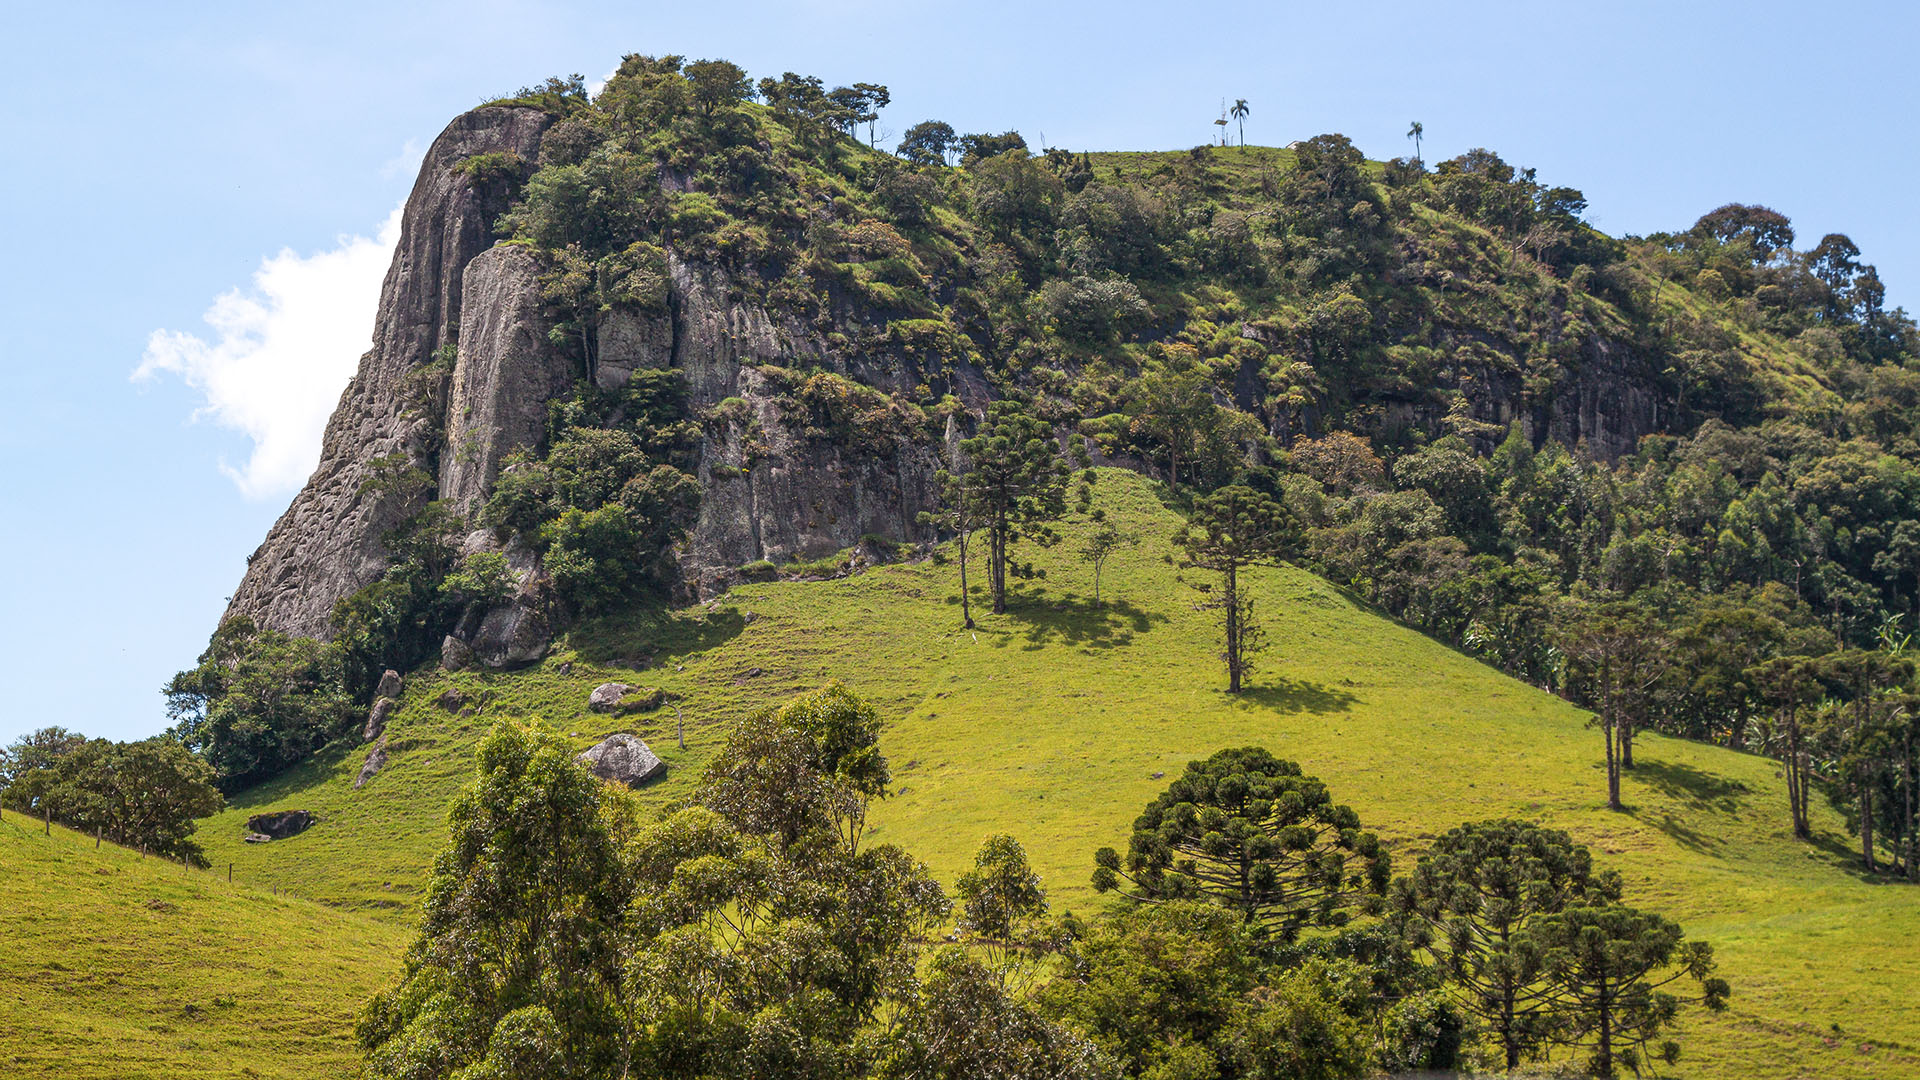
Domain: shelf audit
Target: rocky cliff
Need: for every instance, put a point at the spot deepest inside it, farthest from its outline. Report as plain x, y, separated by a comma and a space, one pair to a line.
327, 544
771, 490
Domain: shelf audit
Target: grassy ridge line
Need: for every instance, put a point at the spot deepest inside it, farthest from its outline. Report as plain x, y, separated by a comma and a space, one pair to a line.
1050, 723
112, 966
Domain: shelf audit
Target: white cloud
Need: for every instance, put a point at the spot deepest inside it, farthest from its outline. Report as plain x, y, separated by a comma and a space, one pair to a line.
280, 354
401, 165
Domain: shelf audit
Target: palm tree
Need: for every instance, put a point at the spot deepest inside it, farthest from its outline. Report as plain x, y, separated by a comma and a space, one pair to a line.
1414, 133
1240, 112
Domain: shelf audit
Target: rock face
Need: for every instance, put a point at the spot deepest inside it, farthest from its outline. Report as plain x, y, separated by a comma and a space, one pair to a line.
623, 759
327, 544
281, 824
504, 375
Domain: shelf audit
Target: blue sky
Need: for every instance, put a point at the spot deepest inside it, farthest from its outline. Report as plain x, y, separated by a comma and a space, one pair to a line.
164, 162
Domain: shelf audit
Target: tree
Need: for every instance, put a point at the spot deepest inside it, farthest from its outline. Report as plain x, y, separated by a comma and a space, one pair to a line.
1001, 901
1296, 1030
1015, 484
1173, 406
1789, 685
718, 85
873, 98
1611, 965
1240, 111
1154, 985
964, 1024
1254, 834
141, 794
1469, 899
1230, 530
1615, 656
516, 955
1100, 547
927, 142
1415, 132
1857, 732
258, 702
978, 147
954, 513
809, 766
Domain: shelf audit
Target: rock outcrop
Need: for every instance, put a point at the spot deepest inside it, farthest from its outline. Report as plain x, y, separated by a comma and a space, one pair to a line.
280, 824
623, 759
505, 373
327, 544
376, 760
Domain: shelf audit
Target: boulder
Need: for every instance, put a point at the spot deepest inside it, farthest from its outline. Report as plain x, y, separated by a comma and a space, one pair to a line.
616, 697
377, 716
451, 699
376, 760
512, 634
455, 655
623, 759
280, 824
606, 697
390, 684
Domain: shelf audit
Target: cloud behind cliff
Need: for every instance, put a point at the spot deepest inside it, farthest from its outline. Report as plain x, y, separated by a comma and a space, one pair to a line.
278, 353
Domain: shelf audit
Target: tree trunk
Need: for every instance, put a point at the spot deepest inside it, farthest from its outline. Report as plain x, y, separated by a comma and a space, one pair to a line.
997, 568
1233, 630
1603, 1061
966, 607
1608, 726
1866, 822
1626, 743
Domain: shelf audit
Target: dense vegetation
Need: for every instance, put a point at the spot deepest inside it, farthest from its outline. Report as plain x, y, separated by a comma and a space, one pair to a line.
759, 932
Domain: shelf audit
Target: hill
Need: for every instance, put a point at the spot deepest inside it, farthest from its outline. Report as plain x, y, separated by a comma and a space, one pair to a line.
1052, 722
117, 967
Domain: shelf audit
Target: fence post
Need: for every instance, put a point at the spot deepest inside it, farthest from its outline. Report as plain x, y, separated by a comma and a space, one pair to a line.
97, 829
229, 873
46, 815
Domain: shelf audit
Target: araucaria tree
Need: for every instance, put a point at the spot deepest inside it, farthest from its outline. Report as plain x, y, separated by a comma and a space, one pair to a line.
1789, 686
1613, 966
1467, 902
1232, 529
1616, 658
1250, 831
1015, 483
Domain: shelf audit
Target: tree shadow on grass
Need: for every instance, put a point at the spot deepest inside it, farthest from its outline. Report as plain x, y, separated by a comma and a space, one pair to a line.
1077, 620
1684, 783
1698, 792
634, 638
1298, 695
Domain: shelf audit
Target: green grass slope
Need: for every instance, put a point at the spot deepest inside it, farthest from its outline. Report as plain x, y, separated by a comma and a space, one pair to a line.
1056, 721
114, 966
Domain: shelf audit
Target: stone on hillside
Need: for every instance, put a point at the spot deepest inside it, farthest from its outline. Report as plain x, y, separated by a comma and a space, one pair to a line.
390, 684
280, 824
623, 759
455, 655
621, 698
376, 760
606, 697
377, 717
451, 699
